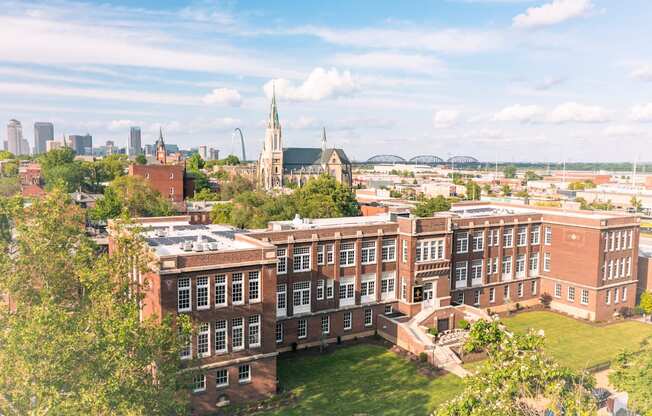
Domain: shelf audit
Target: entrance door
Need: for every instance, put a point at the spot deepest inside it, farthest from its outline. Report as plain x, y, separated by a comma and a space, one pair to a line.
442, 325
428, 294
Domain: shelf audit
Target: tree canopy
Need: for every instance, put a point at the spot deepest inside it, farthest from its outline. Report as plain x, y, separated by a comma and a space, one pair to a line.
131, 195
632, 372
428, 206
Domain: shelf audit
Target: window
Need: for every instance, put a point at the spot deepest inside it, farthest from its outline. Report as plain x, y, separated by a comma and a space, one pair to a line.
403, 288
629, 238
186, 351
547, 238
388, 251
629, 266
625, 292
492, 294
321, 284
222, 378
203, 337
237, 333
244, 373
571, 294
279, 332
368, 317
301, 297
405, 251
302, 328
584, 300
199, 383
519, 289
478, 241
495, 268
254, 287
507, 267
221, 337
462, 243
347, 254
520, 265
608, 297
368, 288
521, 237
534, 234
202, 293
557, 290
618, 238
476, 297
616, 295
321, 259
459, 297
330, 283
606, 242
460, 274
476, 271
546, 262
183, 294
612, 241
325, 324
330, 254
506, 292
254, 331
347, 290
493, 237
534, 264
430, 250
281, 261
237, 284
220, 290
388, 309
534, 287
348, 320
368, 252
611, 269
508, 237
301, 259
281, 300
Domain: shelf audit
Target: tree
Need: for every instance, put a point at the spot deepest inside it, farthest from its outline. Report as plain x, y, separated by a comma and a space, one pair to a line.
6, 154
324, 197
646, 302
429, 206
632, 372
206, 194
230, 160
637, 204
523, 194
506, 190
531, 176
140, 160
583, 203
517, 377
75, 343
473, 191
509, 171
235, 186
195, 162
61, 170
132, 195
487, 189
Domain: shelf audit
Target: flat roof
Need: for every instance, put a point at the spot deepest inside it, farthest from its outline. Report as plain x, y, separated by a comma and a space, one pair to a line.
177, 237
299, 223
471, 210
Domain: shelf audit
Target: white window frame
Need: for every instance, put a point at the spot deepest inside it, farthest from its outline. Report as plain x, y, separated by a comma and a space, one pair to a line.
520, 289
254, 286
404, 251
221, 291
368, 317
203, 340
244, 369
281, 300
281, 261
301, 297
616, 294
330, 288
218, 372
533, 287
237, 334
521, 236
547, 261
237, 281
584, 297
302, 329
348, 321
368, 288
321, 288
280, 332
368, 252
558, 288
508, 237
185, 288
547, 237
492, 295
202, 289
301, 258
321, 255
388, 249
347, 288
476, 271
625, 293
520, 265
253, 331
535, 234
388, 286
462, 243
461, 274
221, 336
347, 254
199, 383
608, 297
533, 267
570, 295
507, 267
327, 320
478, 241
476, 297
330, 254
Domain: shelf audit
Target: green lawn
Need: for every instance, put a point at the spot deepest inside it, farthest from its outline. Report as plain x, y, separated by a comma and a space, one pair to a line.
361, 379
576, 344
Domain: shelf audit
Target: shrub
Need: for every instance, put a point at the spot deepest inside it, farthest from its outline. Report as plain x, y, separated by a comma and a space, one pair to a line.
546, 299
518, 306
463, 324
423, 357
433, 331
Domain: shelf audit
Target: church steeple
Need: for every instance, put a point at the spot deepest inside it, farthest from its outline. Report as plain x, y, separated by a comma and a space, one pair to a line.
161, 152
273, 122
323, 140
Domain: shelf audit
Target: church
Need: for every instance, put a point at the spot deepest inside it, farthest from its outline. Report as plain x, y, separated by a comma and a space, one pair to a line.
278, 166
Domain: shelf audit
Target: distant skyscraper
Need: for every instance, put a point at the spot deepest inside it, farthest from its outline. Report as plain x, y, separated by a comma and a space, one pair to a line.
52, 144
14, 136
82, 145
203, 151
43, 131
134, 146
149, 150
24, 147
213, 154
110, 147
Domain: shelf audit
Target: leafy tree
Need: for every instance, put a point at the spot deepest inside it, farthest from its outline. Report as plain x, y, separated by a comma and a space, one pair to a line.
195, 162
6, 154
132, 195
236, 186
140, 160
9, 186
646, 302
506, 190
517, 376
473, 190
230, 160
532, 176
523, 194
632, 372
583, 203
8, 208
206, 194
637, 204
61, 170
75, 344
487, 188
429, 206
337, 200
10, 168
509, 171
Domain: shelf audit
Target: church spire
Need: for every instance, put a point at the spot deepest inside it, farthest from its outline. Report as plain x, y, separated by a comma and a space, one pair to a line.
323, 140
273, 111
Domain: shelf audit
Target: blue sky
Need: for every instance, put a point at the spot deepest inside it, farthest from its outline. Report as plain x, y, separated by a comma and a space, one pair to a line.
512, 80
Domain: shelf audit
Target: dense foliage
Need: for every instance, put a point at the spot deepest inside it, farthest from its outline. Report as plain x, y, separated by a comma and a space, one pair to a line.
632, 372
427, 207
131, 195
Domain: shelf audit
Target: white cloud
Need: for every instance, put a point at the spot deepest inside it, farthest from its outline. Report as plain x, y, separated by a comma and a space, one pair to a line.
445, 118
223, 96
520, 113
623, 131
642, 73
304, 122
641, 112
320, 84
446, 40
572, 112
552, 13
390, 60
116, 125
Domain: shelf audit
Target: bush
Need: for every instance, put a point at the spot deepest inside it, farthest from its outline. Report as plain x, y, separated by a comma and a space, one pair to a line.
433, 331
518, 306
464, 324
546, 299
423, 357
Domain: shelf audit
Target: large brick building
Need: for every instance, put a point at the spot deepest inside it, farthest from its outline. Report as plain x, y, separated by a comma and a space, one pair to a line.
305, 282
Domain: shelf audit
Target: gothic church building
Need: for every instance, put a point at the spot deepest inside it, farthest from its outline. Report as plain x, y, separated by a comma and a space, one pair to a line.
279, 166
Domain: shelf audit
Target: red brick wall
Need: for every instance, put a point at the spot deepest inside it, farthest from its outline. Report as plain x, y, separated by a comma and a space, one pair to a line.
168, 180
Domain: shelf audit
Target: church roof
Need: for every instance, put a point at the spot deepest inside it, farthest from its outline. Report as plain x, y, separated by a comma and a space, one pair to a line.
298, 157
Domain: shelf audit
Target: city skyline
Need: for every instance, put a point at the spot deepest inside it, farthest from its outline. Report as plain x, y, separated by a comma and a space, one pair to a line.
509, 80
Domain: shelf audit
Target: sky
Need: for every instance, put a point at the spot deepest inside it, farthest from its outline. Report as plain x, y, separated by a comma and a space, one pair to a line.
506, 80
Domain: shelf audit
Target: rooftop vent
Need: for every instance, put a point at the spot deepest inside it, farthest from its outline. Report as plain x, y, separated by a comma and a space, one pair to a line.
212, 246
186, 246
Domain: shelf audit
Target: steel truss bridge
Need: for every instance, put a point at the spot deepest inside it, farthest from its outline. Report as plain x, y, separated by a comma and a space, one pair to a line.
431, 160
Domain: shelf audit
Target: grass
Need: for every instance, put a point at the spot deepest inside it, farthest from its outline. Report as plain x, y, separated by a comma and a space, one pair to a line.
579, 345
361, 379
